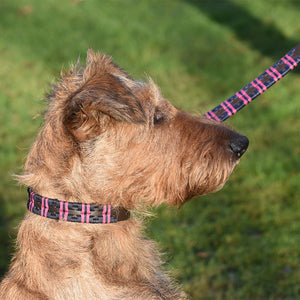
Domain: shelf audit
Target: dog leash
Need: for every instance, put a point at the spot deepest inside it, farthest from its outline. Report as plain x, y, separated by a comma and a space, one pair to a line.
256, 87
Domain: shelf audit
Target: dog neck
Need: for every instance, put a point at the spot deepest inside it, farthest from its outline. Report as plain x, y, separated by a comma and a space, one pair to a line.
75, 212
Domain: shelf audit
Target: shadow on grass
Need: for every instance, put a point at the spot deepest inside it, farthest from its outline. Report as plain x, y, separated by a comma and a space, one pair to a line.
261, 35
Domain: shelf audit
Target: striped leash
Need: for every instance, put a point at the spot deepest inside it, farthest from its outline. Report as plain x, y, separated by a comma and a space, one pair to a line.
256, 87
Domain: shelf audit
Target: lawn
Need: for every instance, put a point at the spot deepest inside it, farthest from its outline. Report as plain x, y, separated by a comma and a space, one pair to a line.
242, 242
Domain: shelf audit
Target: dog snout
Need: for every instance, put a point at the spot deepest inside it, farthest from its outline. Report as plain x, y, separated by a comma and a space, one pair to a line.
238, 145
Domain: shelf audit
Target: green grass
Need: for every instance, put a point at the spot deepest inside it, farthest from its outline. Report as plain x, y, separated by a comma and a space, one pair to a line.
240, 243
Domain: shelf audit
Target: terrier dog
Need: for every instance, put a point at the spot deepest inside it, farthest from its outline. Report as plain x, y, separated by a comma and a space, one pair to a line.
110, 147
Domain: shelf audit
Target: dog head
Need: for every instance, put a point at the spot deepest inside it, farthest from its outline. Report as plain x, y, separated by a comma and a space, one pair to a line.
112, 140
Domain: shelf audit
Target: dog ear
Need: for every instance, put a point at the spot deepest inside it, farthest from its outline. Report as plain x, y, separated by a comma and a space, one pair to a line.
102, 97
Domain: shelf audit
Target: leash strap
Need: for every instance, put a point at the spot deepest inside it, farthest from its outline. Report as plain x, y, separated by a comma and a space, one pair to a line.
75, 212
256, 87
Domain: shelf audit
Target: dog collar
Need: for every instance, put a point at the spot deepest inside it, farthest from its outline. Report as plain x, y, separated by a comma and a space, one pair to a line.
75, 212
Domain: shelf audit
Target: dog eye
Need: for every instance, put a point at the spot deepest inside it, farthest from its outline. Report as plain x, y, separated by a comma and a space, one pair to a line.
158, 117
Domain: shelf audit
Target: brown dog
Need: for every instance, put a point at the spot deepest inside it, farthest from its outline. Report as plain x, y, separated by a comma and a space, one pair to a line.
109, 146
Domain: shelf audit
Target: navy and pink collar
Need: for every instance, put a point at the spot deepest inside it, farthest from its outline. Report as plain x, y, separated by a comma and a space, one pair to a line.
75, 212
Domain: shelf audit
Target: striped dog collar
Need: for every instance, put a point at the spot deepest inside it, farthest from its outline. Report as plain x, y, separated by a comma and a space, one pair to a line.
256, 87
75, 212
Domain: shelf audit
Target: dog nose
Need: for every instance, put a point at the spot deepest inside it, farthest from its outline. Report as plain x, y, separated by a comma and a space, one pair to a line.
238, 145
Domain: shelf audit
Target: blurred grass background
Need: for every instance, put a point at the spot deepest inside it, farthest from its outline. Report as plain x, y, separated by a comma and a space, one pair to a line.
240, 243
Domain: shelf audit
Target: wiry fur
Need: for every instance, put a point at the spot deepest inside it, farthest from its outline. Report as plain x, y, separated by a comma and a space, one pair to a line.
108, 139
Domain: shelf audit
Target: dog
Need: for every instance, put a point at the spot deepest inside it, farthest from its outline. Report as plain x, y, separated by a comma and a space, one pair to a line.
110, 148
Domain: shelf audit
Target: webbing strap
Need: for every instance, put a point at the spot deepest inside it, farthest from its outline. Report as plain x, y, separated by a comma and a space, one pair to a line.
75, 212
256, 87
